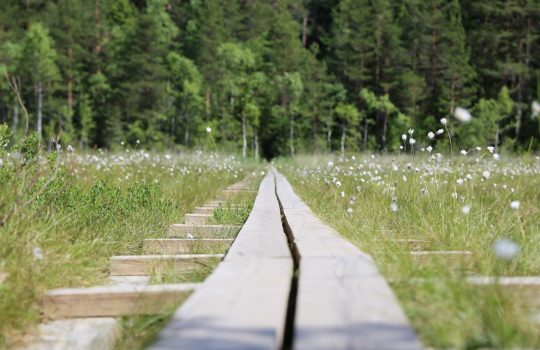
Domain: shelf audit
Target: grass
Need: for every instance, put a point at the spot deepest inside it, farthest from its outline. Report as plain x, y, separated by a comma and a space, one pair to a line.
62, 216
355, 195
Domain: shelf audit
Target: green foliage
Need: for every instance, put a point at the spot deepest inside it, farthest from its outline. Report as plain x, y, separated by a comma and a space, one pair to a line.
102, 72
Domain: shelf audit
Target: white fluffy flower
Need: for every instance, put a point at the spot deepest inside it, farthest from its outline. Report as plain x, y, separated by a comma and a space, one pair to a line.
411, 131
491, 149
535, 107
466, 209
486, 174
462, 115
208, 129
496, 156
444, 121
429, 149
330, 164
439, 132
463, 152
404, 137
38, 253
349, 210
431, 135
514, 205
412, 141
505, 249
394, 207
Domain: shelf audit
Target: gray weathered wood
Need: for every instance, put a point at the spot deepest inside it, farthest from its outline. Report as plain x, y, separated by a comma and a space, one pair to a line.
526, 288
98, 333
243, 303
186, 245
202, 231
204, 210
343, 302
141, 265
113, 301
197, 219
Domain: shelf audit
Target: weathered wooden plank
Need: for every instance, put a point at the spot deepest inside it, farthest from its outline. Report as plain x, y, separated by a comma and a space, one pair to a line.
413, 244
243, 303
460, 257
113, 301
142, 265
202, 231
186, 245
204, 210
342, 300
526, 288
97, 333
197, 219
129, 280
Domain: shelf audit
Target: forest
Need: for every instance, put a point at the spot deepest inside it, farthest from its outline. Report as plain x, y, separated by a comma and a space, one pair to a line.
270, 77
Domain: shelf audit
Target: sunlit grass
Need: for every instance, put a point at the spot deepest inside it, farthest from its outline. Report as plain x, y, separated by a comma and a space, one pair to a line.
374, 200
93, 207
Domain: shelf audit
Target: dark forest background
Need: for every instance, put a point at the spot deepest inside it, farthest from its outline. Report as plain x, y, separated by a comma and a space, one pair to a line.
270, 77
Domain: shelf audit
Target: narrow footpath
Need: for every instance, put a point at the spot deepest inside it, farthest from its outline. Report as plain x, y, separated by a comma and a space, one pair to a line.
289, 281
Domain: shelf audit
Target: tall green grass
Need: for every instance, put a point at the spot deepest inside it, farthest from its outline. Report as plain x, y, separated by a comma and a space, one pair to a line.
355, 195
62, 216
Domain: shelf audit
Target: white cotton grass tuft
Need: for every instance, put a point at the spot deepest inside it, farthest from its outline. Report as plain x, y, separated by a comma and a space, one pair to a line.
411, 131
535, 108
505, 249
431, 135
394, 207
444, 121
412, 141
37, 253
514, 205
403, 137
463, 115
208, 129
490, 149
439, 132
349, 210
463, 152
466, 209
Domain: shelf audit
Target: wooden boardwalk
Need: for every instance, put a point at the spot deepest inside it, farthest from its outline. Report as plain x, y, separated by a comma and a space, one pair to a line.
290, 281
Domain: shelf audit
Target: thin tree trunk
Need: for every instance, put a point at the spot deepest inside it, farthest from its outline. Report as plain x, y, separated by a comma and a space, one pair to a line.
497, 131
256, 146
385, 130
244, 137
343, 141
365, 133
39, 95
70, 81
292, 136
329, 140
186, 130
15, 118
304, 31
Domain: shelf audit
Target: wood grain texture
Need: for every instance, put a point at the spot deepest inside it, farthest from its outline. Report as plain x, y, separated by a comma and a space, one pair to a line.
243, 303
202, 231
197, 219
186, 245
343, 302
113, 301
142, 265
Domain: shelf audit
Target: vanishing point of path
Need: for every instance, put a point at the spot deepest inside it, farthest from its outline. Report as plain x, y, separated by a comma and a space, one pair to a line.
289, 282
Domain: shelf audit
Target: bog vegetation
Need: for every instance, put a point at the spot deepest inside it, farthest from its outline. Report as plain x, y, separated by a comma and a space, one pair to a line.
269, 77
475, 202
63, 215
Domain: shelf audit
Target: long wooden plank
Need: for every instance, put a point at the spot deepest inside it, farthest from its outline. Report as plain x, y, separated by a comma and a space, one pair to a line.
142, 265
186, 245
113, 301
202, 231
96, 333
197, 219
204, 210
243, 303
342, 300
526, 288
